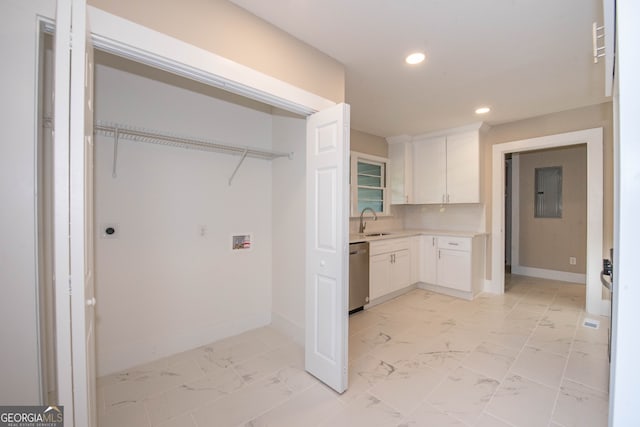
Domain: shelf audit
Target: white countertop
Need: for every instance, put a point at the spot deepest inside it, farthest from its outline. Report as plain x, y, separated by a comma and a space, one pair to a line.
396, 234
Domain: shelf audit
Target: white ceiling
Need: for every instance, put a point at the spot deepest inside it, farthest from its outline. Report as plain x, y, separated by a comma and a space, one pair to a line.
523, 58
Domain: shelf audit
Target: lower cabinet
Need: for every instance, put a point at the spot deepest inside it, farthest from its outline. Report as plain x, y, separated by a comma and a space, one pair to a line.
453, 265
416, 252
401, 270
454, 269
389, 266
379, 275
428, 259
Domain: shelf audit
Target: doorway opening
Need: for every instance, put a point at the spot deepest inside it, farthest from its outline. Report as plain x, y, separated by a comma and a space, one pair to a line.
594, 222
545, 214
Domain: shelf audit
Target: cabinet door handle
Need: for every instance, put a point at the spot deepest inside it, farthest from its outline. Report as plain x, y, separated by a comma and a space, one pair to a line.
439, 252
443, 198
447, 198
433, 241
406, 199
453, 244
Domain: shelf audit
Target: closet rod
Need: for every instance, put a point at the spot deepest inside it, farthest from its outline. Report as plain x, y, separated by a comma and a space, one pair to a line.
124, 132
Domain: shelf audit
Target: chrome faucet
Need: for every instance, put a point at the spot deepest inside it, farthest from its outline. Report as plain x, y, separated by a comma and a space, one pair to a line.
363, 224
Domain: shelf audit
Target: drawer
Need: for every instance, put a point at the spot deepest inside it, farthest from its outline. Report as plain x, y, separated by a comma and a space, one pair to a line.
389, 245
456, 243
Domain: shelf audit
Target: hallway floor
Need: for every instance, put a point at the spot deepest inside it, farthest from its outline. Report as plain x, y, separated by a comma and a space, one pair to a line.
422, 359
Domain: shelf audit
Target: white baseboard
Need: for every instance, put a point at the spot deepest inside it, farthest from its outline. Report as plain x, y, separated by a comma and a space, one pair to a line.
288, 327
446, 291
390, 296
542, 273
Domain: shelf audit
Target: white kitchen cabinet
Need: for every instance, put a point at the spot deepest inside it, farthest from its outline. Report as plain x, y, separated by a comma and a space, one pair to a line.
454, 269
446, 168
428, 259
379, 275
430, 170
416, 252
401, 270
401, 170
453, 265
463, 168
389, 266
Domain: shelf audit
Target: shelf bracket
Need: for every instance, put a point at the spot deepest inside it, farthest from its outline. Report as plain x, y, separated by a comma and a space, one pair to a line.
116, 137
244, 156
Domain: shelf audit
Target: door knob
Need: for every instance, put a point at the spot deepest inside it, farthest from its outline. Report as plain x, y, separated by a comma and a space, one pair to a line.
91, 302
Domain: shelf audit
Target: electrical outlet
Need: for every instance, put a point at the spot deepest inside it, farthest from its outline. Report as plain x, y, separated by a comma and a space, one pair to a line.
572, 260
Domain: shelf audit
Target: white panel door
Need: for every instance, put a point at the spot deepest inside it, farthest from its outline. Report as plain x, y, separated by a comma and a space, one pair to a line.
327, 247
429, 171
62, 72
81, 219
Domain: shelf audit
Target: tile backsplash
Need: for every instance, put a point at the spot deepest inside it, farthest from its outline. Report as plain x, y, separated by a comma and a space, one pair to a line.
393, 222
435, 217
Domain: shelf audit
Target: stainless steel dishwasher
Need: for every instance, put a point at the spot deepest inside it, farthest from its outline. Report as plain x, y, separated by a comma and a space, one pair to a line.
358, 276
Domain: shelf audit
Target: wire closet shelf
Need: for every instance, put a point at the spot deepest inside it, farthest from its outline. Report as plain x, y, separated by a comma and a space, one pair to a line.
118, 132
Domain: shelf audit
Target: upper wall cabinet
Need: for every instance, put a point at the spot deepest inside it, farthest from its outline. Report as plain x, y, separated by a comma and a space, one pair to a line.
437, 168
400, 170
430, 170
463, 168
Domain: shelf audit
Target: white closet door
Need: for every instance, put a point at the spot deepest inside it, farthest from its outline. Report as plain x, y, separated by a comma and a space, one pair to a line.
64, 365
327, 251
74, 105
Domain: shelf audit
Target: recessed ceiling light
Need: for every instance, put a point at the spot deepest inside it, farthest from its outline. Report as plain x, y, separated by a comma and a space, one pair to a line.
415, 58
483, 110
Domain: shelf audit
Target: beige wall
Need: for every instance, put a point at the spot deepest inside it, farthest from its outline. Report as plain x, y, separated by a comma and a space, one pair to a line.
370, 144
565, 121
548, 243
228, 30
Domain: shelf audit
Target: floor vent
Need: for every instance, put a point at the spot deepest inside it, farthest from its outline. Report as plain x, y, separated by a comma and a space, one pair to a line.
591, 323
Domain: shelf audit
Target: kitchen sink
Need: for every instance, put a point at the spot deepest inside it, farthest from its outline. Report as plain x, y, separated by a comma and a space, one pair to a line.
375, 234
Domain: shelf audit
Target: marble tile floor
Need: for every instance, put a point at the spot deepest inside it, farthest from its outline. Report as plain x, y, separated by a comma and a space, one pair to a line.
422, 359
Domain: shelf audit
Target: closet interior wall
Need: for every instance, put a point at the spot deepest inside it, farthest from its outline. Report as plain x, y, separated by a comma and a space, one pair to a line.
168, 280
